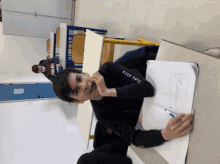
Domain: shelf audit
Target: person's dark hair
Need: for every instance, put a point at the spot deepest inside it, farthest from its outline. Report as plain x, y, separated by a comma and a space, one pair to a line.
61, 85
35, 68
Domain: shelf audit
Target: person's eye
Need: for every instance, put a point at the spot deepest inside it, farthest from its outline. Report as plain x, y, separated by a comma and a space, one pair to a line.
79, 79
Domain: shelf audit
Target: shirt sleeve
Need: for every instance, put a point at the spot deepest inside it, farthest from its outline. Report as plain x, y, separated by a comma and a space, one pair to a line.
40, 62
138, 138
50, 60
136, 87
135, 91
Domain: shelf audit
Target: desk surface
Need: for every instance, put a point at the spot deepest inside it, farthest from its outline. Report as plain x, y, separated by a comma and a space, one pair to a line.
204, 142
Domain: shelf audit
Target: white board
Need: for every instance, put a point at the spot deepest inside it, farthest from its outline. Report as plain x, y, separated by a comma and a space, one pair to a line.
51, 43
91, 63
62, 49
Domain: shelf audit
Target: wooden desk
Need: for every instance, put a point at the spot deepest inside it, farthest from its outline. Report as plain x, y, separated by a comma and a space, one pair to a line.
204, 142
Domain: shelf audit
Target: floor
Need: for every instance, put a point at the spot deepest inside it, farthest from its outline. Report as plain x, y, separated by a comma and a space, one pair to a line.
192, 24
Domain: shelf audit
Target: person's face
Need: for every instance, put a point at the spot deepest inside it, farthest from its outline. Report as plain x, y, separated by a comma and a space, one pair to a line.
40, 68
83, 87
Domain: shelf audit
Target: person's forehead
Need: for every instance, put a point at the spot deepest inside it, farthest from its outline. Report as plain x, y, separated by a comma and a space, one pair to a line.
72, 76
72, 79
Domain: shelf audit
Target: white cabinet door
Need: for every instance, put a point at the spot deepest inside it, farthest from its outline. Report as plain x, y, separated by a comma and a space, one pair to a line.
29, 25
54, 8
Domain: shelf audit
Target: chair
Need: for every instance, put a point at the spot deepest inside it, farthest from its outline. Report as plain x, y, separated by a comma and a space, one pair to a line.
80, 32
48, 46
107, 52
58, 37
108, 47
139, 42
78, 49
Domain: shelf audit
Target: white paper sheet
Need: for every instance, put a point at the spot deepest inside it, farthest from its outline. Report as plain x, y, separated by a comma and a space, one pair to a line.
91, 63
174, 83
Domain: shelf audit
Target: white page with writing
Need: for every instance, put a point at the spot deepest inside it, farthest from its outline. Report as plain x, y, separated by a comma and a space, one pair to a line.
174, 83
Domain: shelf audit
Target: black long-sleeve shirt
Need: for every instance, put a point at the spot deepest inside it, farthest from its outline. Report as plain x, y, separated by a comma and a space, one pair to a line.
131, 89
107, 154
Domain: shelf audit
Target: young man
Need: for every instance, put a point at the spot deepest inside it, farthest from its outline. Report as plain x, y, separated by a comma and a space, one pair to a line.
45, 67
116, 89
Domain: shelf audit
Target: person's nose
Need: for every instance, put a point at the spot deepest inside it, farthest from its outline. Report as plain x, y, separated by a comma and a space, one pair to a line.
85, 84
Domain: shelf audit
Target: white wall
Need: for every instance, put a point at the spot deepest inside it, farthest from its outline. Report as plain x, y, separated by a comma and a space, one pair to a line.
54, 8
19, 16
17, 55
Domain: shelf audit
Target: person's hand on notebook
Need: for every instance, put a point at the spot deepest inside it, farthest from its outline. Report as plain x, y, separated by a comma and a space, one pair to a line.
175, 129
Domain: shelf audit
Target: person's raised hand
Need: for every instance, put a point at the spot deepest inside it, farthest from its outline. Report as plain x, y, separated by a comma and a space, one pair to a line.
175, 129
100, 82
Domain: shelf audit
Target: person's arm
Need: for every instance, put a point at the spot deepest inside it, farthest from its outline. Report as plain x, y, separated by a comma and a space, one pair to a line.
42, 62
132, 91
174, 129
137, 87
150, 138
136, 137
50, 60
135, 91
144, 139
133, 57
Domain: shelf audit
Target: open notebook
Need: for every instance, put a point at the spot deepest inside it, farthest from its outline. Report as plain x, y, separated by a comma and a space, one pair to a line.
175, 87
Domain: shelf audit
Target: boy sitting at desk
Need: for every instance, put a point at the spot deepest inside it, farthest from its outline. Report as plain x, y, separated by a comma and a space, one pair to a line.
46, 68
117, 89
111, 148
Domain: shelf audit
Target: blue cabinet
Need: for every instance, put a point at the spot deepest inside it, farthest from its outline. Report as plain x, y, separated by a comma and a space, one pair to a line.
25, 91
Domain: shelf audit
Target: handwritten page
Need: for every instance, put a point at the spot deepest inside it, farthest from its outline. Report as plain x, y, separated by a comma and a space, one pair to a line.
174, 83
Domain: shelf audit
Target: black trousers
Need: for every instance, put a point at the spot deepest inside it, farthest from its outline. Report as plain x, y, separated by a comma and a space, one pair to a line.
113, 146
